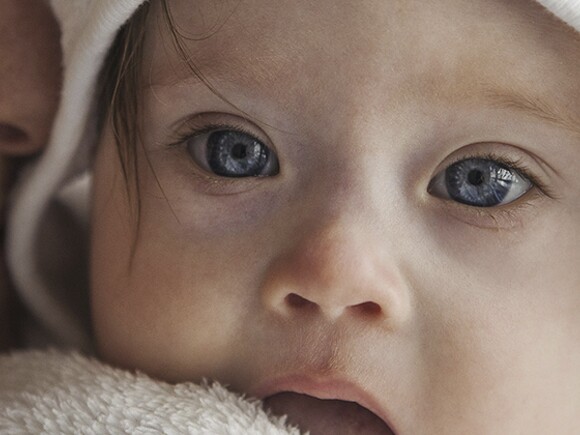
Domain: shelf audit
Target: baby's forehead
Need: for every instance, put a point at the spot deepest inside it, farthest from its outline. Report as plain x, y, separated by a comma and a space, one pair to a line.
446, 50
254, 20
258, 31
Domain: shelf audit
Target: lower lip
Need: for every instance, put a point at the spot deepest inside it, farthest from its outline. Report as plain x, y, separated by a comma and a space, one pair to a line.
325, 390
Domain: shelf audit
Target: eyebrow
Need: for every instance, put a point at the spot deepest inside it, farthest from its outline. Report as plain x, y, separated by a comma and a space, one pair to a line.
533, 106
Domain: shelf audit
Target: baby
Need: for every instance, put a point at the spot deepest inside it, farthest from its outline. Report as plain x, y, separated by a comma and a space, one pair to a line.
29, 89
365, 213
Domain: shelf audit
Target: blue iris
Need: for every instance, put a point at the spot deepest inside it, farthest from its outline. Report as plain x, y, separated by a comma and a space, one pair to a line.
479, 182
232, 153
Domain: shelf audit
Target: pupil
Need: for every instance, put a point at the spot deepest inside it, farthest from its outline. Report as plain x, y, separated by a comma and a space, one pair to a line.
239, 151
475, 177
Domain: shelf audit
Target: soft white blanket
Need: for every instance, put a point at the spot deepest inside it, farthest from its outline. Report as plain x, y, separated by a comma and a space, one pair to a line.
58, 393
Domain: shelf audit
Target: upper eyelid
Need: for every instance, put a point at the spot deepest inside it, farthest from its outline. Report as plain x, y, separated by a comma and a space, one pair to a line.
194, 131
203, 123
516, 164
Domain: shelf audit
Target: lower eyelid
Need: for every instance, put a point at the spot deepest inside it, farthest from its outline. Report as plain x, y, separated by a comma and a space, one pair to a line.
506, 217
222, 186
179, 164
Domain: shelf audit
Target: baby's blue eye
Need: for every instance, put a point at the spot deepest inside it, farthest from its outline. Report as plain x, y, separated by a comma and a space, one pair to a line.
480, 182
232, 153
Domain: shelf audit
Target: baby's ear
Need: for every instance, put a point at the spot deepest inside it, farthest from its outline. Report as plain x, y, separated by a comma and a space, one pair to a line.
16, 140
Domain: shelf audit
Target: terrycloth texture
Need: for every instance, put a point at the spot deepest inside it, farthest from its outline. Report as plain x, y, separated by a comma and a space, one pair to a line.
89, 27
57, 393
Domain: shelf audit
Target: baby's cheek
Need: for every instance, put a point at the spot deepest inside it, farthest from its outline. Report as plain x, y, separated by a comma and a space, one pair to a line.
503, 329
175, 312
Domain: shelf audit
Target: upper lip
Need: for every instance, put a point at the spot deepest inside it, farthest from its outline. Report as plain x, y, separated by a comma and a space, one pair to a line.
326, 388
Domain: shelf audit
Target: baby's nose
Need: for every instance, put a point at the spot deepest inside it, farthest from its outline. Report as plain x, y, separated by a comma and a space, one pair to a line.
336, 272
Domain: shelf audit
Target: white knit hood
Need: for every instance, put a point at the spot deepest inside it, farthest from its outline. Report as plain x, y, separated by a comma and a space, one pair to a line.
88, 30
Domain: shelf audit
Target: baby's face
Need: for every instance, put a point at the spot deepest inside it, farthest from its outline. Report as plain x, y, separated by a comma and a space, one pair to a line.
385, 210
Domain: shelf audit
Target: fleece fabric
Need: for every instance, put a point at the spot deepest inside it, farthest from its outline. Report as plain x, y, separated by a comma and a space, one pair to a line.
66, 393
48, 220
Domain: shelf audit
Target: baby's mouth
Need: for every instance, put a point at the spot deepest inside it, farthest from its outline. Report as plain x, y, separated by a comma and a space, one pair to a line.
321, 417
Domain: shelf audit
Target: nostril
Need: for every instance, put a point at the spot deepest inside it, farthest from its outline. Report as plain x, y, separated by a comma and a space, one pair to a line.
366, 309
370, 309
297, 301
10, 134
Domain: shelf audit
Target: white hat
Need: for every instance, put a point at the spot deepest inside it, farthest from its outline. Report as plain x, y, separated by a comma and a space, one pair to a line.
88, 30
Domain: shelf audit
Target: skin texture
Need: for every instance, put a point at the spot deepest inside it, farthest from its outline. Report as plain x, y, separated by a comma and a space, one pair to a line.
30, 78
343, 268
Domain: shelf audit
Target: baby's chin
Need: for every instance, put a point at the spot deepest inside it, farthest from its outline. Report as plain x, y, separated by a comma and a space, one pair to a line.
319, 416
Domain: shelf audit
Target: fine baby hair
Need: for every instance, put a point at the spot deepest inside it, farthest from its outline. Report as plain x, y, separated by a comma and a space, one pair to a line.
365, 214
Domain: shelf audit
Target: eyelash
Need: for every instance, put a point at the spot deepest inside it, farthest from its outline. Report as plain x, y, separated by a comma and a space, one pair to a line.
510, 215
516, 164
505, 216
194, 129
